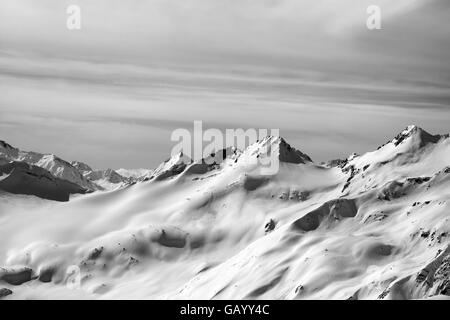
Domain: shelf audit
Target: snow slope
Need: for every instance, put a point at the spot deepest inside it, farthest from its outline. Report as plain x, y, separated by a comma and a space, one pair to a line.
374, 226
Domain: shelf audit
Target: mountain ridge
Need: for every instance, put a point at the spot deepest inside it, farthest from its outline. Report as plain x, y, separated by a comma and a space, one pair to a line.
270, 146
375, 226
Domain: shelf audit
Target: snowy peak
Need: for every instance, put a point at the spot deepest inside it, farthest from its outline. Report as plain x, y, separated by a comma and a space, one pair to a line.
75, 172
221, 155
289, 154
53, 163
113, 176
136, 174
63, 170
273, 146
416, 136
5, 145
82, 167
172, 166
7, 152
406, 148
412, 152
410, 144
109, 175
270, 149
373, 226
56, 166
23, 178
108, 179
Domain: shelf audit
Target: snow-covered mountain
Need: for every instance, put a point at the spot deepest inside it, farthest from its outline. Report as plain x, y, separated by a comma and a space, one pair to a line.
76, 172
108, 179
56, 166
136, 174
23, 178
372, 226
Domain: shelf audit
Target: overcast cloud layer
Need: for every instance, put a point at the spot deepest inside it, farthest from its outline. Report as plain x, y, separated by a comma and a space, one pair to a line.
111, 93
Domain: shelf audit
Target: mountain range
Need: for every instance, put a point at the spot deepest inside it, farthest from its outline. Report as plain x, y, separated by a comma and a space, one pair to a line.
372, 226
30, 172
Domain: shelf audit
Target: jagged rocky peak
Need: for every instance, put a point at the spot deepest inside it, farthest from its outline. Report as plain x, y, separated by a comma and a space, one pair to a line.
175, 160
135, 174
267, 147
172, 166
113, 176
107, 179
180, 162
7, 152
220, 155
5, 145
383, 207
277, 146
51, 159
23, 178
81, 166
419, 136
76, 172
108, 175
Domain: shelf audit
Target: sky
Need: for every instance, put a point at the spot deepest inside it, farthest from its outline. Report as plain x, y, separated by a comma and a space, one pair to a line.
111, 93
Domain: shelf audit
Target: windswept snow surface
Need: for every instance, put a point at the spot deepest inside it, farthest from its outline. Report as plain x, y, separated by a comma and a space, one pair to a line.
374, 226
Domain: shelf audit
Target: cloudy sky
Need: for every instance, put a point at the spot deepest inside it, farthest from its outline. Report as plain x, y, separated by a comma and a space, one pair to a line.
111, 93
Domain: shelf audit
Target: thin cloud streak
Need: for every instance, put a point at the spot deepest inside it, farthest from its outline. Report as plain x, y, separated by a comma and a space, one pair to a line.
141, 69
